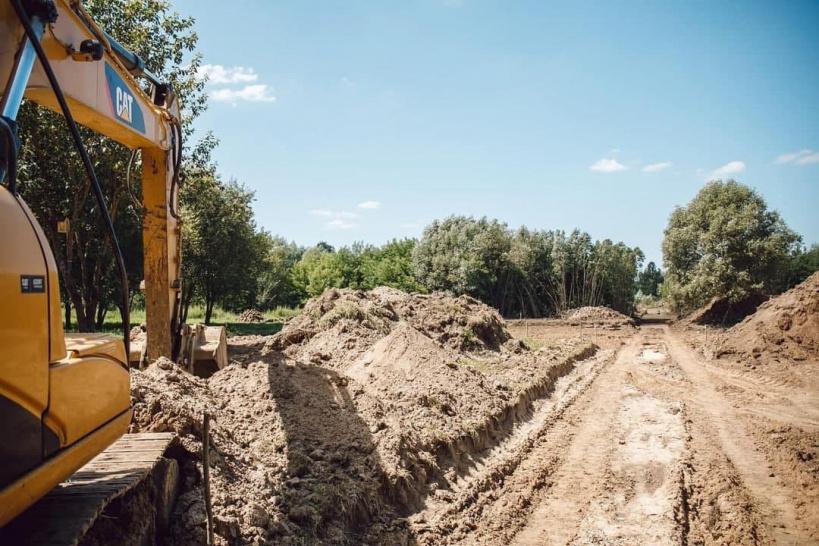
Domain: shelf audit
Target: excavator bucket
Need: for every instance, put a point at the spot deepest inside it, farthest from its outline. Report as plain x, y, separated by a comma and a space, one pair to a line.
203, 349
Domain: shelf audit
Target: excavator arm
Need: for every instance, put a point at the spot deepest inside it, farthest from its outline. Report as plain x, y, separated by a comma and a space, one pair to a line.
108, 90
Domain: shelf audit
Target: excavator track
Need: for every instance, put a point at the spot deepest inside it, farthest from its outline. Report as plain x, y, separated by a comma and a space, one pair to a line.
66, 515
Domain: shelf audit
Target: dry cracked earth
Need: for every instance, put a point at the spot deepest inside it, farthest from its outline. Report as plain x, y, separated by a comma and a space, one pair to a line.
646, 443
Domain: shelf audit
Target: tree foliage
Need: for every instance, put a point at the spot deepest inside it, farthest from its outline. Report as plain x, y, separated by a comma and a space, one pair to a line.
650, 279
221, 254
726, 243
524, 272
360, 266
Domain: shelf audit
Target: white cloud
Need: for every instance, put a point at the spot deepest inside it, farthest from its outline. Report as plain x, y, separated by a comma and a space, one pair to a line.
807, 159
370, 205
242, 80
732, 167
338, 223
802, 157
793, 156
607, 166
252, 93
218, 74
337, 219
657, 167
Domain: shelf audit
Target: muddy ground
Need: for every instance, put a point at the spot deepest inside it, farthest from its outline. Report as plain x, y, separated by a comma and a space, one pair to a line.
377, 418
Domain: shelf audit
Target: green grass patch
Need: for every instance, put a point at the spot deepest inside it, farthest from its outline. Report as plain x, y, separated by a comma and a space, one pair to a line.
274, 319
533, 344
481, 365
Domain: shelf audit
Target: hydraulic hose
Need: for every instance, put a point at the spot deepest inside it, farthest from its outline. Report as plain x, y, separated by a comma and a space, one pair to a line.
89, 169
176, 153
11, 155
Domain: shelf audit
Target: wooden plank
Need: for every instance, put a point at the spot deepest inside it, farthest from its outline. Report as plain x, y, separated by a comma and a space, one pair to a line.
62, 517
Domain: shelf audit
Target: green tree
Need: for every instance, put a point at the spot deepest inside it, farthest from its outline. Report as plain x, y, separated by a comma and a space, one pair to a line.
650, 279
275, 286
463, 255
223, 254
390, 265
320, 269
725, 243
531, 273
54, 184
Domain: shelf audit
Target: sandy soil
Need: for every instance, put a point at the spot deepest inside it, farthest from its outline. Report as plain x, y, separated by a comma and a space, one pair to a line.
377, 418
650, 447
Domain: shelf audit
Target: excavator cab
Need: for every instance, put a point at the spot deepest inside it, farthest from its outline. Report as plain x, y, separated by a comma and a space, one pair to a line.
63, 398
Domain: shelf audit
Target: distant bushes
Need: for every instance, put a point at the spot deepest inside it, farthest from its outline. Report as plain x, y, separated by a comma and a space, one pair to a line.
525, 272
520, 272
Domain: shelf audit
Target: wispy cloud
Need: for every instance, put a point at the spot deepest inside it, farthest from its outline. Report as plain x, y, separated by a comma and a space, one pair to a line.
607, 165
258, 92
657, 167
370, 205
217, 74
338, 223
732, 167
241, 81
337, 219
802, 157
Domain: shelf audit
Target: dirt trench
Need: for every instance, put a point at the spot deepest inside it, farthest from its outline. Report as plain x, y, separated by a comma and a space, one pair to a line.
653, 446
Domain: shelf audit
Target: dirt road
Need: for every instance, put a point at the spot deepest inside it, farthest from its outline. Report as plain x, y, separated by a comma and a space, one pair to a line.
646, 445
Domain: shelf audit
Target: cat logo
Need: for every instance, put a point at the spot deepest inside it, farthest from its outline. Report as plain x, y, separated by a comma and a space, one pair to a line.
124, 105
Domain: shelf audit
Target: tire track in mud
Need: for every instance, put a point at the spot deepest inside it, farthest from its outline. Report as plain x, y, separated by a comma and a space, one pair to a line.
558, 515
504, 480
772, 500
621, 478
638, 449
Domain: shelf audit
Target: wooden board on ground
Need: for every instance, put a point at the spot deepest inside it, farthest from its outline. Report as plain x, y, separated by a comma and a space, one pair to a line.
65, 515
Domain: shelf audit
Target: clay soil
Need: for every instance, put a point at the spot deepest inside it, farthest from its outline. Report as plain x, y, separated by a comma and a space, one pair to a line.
385, 418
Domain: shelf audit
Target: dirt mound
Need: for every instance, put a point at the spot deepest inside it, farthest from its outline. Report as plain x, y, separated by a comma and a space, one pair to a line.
720, 311
332, 430
599, 315
785, 327
339, 326
251, 315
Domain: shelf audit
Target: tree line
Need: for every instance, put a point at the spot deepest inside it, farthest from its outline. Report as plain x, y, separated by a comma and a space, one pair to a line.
521, 272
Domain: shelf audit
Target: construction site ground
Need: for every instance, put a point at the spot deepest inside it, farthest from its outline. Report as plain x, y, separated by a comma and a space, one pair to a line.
386, 418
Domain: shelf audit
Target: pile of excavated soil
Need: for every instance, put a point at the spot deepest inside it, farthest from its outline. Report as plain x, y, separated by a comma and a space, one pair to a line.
335, 428
785, 328
721, 312
604, 316
251, 315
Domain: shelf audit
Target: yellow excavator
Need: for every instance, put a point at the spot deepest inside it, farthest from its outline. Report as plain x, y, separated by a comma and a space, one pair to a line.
64, 397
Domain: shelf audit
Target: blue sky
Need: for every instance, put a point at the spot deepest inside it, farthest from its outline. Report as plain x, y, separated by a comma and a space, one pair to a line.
366, 120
